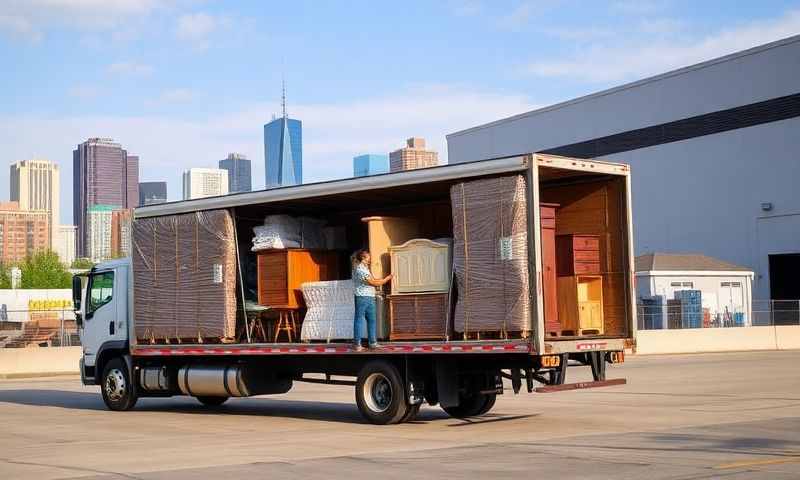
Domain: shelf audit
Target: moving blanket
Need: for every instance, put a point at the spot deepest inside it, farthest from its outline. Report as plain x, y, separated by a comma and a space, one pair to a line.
185, 276
490, 255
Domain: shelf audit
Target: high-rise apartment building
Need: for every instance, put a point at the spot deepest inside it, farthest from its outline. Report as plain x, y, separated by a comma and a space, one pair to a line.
35, 186
152, 193
204, 182
22, 232
412, 156
238, 167
103, 174
283, 150
98, 229
65, 244
370, 164
121, 233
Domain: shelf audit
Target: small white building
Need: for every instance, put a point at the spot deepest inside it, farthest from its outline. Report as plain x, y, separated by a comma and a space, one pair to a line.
725, 289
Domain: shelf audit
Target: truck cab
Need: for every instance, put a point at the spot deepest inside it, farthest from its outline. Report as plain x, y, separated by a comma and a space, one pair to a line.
101, 312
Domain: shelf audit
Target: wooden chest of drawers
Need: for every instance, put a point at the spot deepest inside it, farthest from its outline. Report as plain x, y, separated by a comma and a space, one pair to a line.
281, 272
418, 316
577, 255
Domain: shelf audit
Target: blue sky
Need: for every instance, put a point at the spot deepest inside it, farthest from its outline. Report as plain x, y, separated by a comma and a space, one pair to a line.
182, 82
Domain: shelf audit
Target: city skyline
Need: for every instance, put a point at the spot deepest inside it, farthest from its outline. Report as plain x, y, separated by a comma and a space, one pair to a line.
153, 88
238, 168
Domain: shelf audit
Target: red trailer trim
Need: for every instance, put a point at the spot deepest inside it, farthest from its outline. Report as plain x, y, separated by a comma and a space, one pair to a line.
315, 349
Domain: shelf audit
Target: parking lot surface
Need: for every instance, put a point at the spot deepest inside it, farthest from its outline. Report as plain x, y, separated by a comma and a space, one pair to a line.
732, 416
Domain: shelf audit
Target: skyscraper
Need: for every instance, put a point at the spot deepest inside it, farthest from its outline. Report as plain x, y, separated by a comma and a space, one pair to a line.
152, 193
238, 167
65, 244
35, 186
370, 164
103, 174
283, 150
98, 232
413, 156
204, 182
22, 232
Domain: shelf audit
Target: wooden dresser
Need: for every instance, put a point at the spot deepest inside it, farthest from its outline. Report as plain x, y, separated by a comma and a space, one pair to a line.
418, 316
282, 271
577, 255
384, 232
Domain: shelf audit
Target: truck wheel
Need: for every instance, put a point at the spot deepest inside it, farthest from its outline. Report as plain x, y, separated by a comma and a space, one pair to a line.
380, 394
212, 401
116, 386
471, 405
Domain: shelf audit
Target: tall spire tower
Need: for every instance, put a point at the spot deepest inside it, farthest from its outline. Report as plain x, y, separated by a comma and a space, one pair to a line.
283, 148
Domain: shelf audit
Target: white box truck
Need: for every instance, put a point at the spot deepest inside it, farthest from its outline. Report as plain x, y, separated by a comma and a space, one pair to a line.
462, 371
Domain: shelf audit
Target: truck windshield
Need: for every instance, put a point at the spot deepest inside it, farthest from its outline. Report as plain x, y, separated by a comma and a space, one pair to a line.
101, 291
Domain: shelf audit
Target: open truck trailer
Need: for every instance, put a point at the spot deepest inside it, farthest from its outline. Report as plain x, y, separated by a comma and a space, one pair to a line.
567, 313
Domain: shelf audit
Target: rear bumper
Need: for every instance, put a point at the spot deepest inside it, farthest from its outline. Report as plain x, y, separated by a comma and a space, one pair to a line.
580, 385
584, 345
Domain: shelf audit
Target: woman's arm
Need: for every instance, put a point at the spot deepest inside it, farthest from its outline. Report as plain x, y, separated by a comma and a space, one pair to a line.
379, 283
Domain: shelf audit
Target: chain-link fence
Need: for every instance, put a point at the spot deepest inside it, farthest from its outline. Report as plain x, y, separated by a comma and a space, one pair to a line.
38, 328
671, 315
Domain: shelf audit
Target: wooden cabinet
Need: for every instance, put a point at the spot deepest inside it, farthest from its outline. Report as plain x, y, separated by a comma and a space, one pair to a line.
580, 304
577, 255
384, 232
281, 272
418, 316
547, 212
420, 265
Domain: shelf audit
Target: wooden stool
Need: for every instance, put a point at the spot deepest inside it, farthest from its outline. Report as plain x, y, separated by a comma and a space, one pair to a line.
286, 323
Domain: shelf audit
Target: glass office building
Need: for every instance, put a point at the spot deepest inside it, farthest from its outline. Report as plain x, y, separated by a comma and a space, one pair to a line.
370, 164
283, 152
238, 167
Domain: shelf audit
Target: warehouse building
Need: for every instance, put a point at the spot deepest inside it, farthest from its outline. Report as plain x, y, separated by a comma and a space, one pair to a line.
714, 150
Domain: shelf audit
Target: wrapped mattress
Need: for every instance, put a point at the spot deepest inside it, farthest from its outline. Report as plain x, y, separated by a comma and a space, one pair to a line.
331, 308
490, 255
185, 276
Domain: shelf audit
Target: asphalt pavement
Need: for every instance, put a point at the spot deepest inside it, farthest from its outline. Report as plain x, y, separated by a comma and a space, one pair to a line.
732, 416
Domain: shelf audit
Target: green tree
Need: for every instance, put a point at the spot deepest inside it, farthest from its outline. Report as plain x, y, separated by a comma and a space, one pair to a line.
81, 264
44, 269
5, 276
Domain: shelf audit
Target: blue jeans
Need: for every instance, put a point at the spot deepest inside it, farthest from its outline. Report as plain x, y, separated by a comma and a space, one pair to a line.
365, 310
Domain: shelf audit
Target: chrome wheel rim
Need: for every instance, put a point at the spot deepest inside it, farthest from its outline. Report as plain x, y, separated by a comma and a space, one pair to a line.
378, 392
115, 385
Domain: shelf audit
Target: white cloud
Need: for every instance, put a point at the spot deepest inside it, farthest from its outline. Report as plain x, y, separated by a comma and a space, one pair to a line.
197, 28
176, 95
639, 57
332, 132
31, 18
130, 68
578, 34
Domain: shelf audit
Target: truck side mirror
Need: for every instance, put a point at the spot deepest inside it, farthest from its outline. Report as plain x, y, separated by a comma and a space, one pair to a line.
76, 292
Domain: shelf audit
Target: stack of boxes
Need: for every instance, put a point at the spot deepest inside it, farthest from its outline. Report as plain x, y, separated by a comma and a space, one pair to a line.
691, 308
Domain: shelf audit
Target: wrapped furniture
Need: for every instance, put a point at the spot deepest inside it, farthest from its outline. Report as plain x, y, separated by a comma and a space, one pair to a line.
284, 231
185, 270
330, 311
420, 265
490, 255
281, 272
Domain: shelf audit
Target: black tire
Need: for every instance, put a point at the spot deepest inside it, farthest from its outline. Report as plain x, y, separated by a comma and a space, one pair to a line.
411, 413
490, 401
380, 394
116, 385
471, 405
212, 401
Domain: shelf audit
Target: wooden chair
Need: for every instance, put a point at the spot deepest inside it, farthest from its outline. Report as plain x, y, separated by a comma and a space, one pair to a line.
287, 322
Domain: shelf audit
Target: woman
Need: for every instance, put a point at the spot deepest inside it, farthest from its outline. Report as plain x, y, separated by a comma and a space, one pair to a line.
364, 285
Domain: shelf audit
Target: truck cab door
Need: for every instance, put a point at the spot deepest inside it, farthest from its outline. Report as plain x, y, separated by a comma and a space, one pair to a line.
100, 313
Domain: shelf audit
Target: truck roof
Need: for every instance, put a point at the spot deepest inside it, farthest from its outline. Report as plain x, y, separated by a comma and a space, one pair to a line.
386, 180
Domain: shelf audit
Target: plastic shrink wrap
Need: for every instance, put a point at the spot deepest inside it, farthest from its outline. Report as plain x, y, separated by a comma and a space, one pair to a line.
185, 271
490, 255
